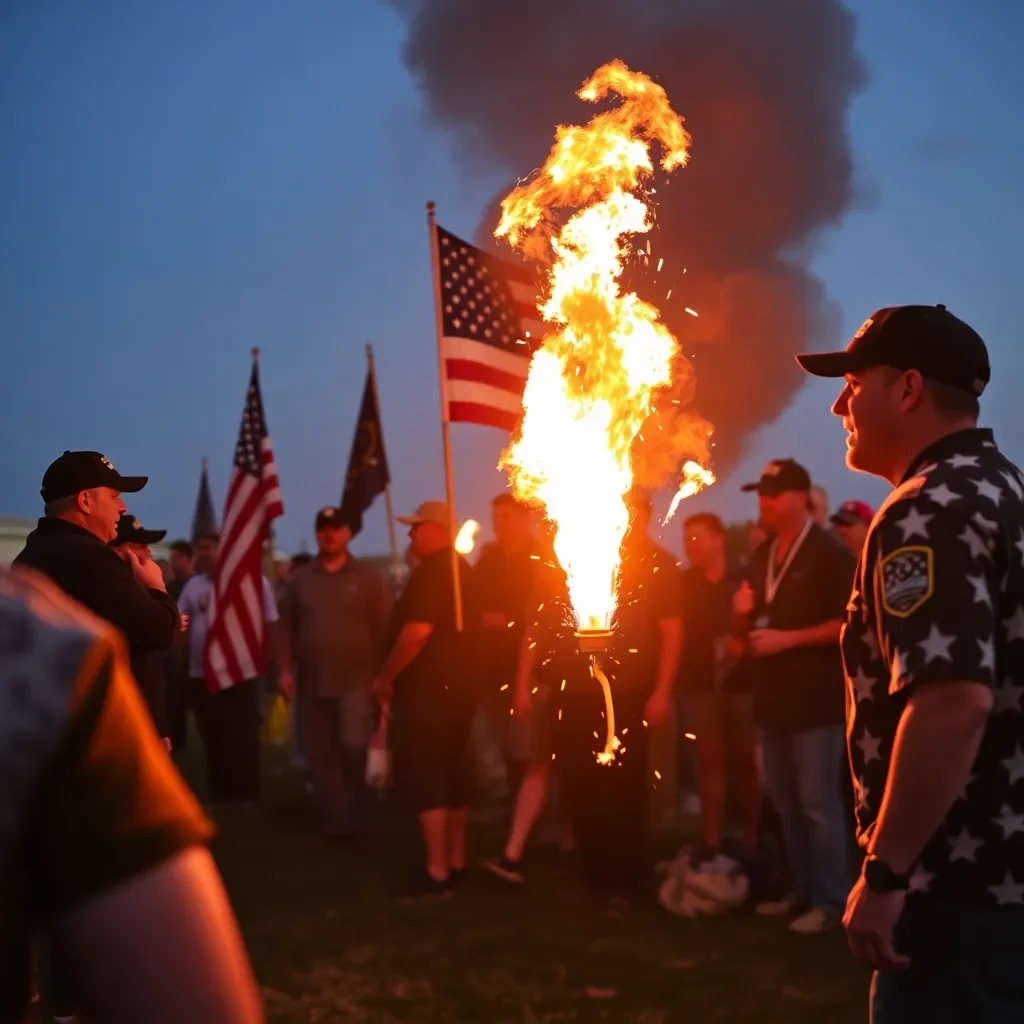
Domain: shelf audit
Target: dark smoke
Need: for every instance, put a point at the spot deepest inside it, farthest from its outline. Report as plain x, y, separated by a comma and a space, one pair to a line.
764, 87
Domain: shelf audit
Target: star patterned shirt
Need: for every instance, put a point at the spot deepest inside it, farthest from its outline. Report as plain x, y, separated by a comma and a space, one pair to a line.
939, 597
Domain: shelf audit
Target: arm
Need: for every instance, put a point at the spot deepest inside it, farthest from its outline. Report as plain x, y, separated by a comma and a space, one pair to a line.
408, 646
824, 635
191, 966
671, 648
936, 743
525, 665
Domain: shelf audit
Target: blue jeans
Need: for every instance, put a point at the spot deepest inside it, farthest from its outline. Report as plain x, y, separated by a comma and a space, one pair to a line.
965, 966
801, 775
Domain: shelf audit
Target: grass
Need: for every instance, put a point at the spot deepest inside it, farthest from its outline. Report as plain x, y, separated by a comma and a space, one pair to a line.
328, 944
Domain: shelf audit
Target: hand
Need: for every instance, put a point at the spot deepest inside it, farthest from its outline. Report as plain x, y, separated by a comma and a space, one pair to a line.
147, 573
735, 648
184, 621
765, 642
659, 704
743, 600
168, 746
522, 701
286, 683
381, 690
870, 921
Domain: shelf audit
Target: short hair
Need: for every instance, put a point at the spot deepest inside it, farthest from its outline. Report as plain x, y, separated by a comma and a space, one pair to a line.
183, 547
952, 401
506, 500
210, 535
708, 520
57, 507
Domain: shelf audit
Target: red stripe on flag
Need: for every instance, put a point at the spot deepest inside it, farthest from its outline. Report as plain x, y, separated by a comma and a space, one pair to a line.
464, 369
484, 415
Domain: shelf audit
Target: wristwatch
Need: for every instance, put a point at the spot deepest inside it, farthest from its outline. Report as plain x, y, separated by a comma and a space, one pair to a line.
881, 878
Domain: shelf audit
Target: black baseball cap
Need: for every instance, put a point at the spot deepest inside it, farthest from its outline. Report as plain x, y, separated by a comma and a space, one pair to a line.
929, 339
780, 476
330, 516
78, 471
130, 530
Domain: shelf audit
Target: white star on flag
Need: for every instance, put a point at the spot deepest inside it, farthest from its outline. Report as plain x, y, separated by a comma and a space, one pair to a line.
981, 594
870, 641
979, 549
965, 846
1015, 765
920, 880
869, 747
899, 669
913, 524
942, 495
987, 489
1007, 697
863, 685
936, 645
1009, 822
1015, 625
964, 461
1008, 891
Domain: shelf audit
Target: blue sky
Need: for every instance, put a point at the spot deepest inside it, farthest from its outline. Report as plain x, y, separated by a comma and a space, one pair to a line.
182, 182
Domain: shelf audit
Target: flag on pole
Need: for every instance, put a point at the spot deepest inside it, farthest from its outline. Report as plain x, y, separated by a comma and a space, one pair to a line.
368, 475
490, 328
204, 518
236, 641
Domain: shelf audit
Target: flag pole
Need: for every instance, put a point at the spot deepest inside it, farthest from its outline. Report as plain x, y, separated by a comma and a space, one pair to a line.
446, 438
268, 548
396, 558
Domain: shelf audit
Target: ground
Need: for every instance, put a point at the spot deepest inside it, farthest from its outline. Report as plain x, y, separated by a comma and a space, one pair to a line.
328, 944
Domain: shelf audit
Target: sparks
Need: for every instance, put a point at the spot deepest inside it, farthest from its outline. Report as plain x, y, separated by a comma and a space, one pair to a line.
695, 478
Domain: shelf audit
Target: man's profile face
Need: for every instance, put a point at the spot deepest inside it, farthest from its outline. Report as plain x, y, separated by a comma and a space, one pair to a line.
102, 506
142, 552
853, 536
869, 405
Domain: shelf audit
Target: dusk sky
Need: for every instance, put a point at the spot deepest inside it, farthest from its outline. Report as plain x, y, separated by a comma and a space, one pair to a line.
182, 182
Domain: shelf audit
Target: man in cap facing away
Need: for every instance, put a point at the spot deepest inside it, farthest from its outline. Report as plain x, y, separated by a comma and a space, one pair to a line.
850, 523
147, 666
430, 672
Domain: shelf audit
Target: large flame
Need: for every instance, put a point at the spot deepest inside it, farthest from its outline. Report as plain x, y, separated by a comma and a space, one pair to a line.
593, 382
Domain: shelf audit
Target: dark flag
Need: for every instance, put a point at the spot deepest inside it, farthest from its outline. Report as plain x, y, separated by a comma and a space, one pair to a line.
204, 519
368, 475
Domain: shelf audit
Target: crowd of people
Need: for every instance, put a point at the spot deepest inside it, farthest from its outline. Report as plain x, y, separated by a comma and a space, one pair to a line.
733, 682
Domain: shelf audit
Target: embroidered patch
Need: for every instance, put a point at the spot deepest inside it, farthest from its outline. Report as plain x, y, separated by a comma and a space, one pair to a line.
908, 580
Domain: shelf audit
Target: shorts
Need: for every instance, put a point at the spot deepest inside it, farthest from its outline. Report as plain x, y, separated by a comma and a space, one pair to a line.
530, 737
728, 716
431, 754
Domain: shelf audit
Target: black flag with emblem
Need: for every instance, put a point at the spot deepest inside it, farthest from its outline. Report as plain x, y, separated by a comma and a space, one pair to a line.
368, 475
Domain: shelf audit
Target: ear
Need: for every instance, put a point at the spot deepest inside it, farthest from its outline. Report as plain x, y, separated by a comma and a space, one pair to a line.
83, 501
912, 389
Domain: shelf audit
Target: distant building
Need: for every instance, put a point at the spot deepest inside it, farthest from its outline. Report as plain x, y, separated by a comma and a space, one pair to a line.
14, 531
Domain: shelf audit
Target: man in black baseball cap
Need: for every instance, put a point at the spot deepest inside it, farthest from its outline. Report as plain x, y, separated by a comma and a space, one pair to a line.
781, 476
908, 370
131, 533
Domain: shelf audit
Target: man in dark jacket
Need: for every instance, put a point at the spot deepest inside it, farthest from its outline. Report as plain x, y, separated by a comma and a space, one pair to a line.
82, 504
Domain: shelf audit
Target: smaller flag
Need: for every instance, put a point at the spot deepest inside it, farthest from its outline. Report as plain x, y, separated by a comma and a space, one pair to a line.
204, 518
491, 328
236, 640
368, 475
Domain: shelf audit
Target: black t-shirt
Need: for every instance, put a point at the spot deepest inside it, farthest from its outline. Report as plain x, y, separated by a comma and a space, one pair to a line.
939, 597
504, 582
448, 660
801, 688
707, 619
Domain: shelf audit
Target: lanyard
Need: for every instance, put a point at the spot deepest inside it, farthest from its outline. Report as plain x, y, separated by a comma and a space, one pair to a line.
773, 580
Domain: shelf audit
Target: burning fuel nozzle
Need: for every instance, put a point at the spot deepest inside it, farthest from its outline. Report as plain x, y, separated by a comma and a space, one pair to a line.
594, 641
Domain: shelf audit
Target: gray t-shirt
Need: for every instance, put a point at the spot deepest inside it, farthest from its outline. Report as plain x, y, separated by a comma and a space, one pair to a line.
337, 622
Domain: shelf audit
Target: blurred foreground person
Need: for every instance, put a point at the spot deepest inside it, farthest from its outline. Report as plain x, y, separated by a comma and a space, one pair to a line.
333, 622
429, 682
102, 845
934, 655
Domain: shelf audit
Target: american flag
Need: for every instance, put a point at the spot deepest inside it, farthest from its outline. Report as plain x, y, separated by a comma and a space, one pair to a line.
236, 641
490, 328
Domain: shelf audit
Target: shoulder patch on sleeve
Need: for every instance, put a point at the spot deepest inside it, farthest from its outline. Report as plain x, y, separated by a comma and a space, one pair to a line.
907, 578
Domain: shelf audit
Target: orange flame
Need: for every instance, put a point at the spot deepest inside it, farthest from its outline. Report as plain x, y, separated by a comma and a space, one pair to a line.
593, 382
465, 540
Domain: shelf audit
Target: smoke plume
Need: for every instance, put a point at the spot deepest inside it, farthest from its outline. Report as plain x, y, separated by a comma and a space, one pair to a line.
764, 87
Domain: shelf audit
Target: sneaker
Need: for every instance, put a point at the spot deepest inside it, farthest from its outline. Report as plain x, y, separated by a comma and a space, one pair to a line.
775, 908
421, 886
814, 922
505, 869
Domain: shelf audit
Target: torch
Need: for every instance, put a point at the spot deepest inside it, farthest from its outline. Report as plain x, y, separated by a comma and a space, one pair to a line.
594, 642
